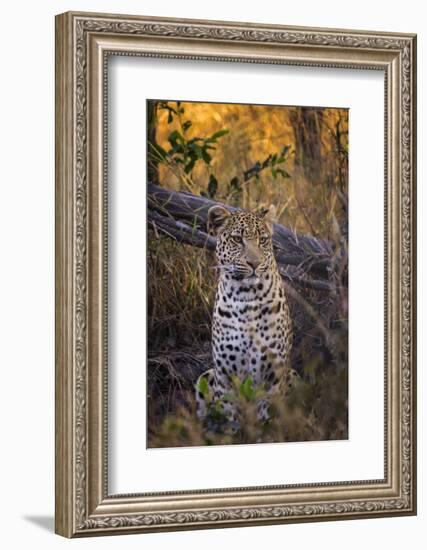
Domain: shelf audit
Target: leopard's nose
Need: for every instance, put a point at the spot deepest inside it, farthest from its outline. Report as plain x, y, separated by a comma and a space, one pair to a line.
253, 263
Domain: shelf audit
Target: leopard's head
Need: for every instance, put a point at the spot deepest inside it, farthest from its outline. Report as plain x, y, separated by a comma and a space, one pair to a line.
244, 246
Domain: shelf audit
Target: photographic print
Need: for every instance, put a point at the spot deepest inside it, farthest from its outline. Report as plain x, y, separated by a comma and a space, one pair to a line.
247, 273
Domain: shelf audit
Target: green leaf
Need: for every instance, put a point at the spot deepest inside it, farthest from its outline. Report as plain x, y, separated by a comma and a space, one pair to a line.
189, 166
219, 134
206, 156
187, 124
174, 137
283, 173
177, 148
247, 389
195, 150
212, 186
203, 387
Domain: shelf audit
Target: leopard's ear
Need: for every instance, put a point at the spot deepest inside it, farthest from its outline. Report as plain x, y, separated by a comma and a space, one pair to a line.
268, 214
217, 216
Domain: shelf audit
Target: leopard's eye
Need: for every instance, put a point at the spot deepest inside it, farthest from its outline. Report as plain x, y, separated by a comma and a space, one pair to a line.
237, 239
263, 239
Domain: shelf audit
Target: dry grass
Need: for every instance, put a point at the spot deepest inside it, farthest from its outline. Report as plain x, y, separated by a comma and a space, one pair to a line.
180, 294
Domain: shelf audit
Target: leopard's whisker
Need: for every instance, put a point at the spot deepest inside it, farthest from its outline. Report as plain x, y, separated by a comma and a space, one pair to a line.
223, 267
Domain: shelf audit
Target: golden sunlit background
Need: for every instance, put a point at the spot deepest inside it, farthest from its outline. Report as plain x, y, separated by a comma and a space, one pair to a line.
308, 189
293, 160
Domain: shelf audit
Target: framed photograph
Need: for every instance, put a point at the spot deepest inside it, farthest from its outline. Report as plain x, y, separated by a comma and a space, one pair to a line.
235, 274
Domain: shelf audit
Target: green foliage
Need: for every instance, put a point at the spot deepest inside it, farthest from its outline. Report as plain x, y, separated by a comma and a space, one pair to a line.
247, 389
183, 150
313, 411
185, 153
272, 162
203, 387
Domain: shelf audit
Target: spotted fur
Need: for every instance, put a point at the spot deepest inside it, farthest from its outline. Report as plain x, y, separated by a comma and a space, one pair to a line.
251, 328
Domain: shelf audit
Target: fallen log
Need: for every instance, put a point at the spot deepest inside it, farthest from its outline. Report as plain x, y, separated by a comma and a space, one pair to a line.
302, 260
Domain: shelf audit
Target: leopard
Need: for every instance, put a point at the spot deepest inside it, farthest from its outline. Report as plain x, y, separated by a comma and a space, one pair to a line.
252, 334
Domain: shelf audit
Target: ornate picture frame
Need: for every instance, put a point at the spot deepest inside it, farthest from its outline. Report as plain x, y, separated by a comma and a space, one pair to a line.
84, 42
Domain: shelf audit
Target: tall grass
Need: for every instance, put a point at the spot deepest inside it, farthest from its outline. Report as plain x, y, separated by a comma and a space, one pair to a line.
181, 289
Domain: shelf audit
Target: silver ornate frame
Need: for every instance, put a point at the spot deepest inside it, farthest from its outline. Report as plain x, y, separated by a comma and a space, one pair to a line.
83, 43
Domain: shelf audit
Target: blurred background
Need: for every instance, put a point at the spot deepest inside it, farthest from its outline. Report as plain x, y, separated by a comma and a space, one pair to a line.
293, 160
307, 182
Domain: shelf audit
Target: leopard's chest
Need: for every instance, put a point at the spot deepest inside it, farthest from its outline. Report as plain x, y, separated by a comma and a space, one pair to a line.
250, 324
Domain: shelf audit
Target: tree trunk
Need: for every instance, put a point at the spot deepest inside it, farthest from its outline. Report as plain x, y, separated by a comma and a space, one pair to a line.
152, 162
306, 125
